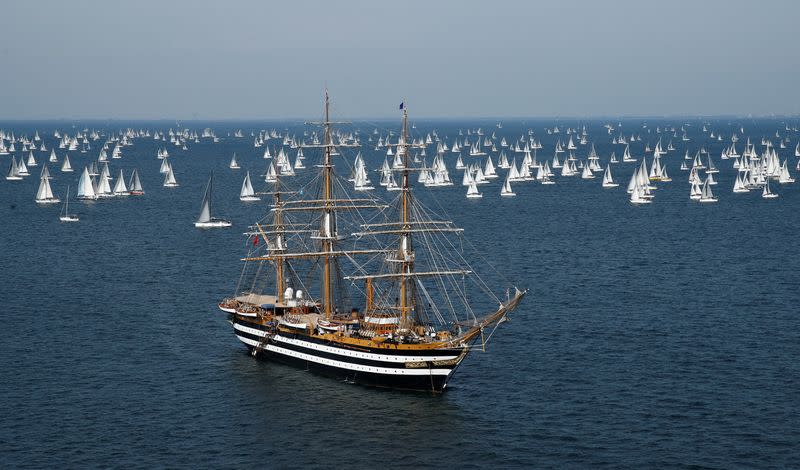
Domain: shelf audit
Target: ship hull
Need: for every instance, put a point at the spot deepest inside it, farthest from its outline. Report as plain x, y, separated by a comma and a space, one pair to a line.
425, 370
429, 383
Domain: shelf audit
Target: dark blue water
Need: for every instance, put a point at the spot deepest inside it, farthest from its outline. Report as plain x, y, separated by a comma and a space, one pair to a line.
659, 336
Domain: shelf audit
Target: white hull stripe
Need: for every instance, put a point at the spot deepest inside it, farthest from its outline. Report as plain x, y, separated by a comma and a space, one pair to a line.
345, 352
345, 365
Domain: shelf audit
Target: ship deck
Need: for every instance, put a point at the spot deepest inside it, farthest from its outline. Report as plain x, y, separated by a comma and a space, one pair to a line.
260, 299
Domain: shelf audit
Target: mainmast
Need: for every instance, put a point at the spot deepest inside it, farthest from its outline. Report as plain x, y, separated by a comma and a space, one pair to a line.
329, 204
328, 229
406, 251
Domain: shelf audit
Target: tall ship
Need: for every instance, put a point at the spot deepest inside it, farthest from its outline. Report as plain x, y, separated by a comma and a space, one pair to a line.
373, 292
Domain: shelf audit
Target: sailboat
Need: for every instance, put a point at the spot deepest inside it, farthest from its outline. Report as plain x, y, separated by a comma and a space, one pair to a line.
638, 193
695, 191
205, 220
767, 193
472, 191
506, 190
65, 216
626, 155
354, 289
248, 194
66, 167
587, 174
103, 188
785, 177
120, 189
22, 169
608, 181
13, 170
738, 185
86, 187
135, 185
45, 194
234, 165
169, 179
707, 195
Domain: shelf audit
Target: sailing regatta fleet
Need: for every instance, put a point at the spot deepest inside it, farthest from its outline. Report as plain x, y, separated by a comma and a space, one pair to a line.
761, 165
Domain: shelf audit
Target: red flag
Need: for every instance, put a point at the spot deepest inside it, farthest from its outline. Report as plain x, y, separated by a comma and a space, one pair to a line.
255, 240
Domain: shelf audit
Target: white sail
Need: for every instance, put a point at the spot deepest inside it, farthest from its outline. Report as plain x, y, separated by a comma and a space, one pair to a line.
637, 193
506, 190
707, 195
632, 184
120, 189
46, 172
104, 186
785, 177
489, 171
85, 187
66, 167
205, 207
271, 175
587, 173
248, 193
608, 180
13, 170
472, 191
767, 193
234, 165
626, 155
40, 193
45, 193
22, 169
135, 184
738, 185
169, 179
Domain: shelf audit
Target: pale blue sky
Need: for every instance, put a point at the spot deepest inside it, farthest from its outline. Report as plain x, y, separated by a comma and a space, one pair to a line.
261, 59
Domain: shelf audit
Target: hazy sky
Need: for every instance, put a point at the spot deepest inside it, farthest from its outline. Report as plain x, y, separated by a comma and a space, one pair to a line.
272, 59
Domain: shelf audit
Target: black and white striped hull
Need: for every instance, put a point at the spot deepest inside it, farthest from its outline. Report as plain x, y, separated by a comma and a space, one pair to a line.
425, 370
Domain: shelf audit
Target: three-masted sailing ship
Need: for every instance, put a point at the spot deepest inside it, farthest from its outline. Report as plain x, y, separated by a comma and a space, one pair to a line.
372, 292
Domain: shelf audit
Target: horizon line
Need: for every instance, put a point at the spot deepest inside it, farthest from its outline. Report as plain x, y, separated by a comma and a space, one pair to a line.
388, 118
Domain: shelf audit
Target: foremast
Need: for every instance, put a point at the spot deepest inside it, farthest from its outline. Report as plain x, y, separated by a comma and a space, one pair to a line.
279, 238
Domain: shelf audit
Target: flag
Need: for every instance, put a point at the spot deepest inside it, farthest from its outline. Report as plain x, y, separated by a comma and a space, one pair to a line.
401, 105
255, 241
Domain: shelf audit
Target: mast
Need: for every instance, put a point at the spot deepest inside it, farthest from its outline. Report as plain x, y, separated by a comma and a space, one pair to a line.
406, 251
279, 238
328, 216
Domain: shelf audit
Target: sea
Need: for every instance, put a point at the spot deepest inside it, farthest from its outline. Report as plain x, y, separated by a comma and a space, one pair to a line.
664, 335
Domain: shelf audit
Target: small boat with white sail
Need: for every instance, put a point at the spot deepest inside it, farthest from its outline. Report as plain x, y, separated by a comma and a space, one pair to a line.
248, 194
205, 220
65, 216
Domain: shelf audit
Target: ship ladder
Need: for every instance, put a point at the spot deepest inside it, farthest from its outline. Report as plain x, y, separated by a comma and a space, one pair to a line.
262, 344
